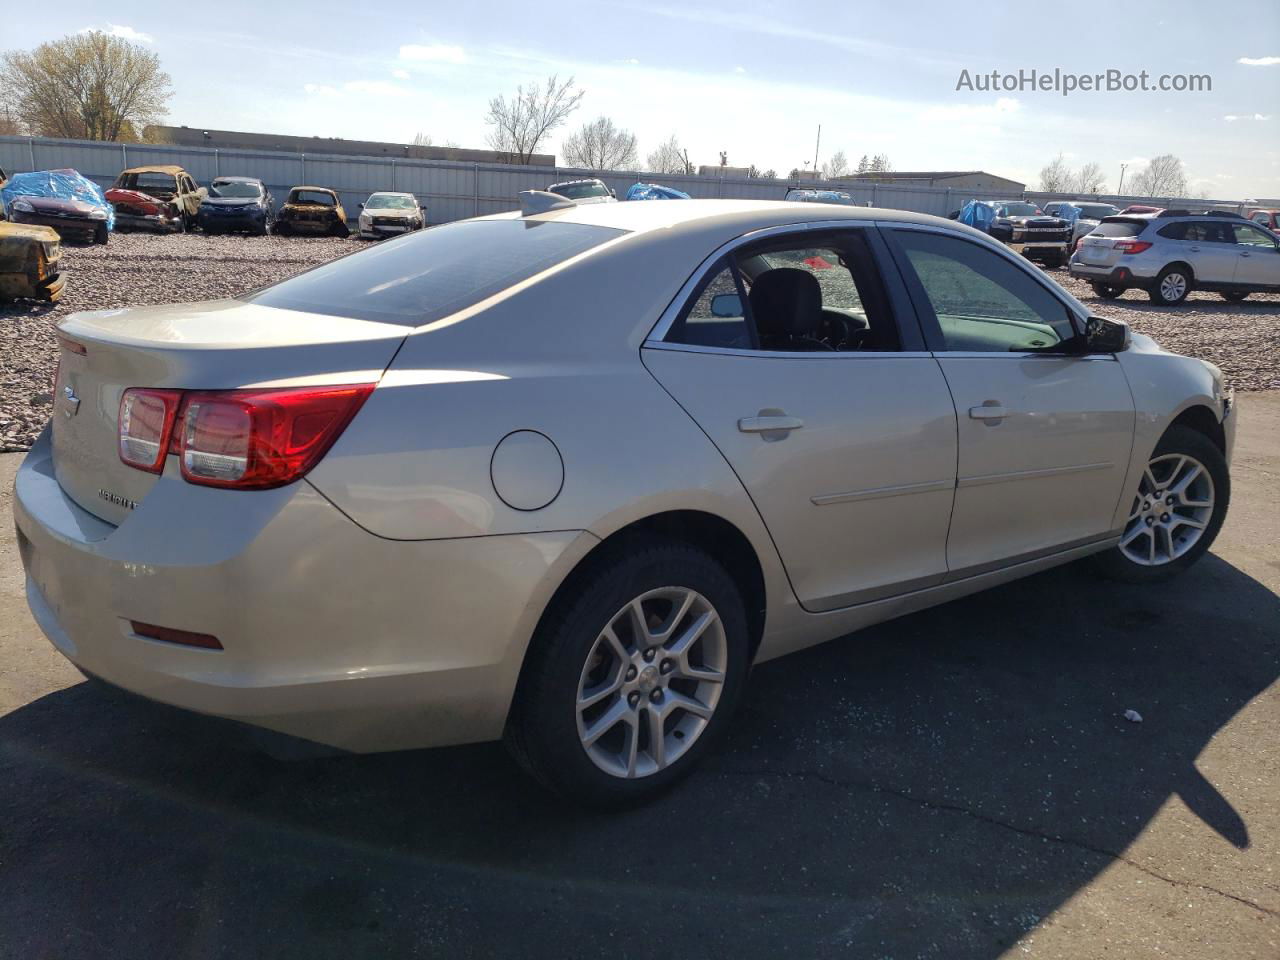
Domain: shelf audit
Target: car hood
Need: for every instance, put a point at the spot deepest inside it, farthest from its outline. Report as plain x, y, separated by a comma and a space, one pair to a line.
57, 205
1037, 221
391, 212
308, 206
230, 201
120, 195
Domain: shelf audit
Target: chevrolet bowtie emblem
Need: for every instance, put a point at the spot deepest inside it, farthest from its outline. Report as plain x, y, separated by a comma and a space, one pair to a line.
72, 406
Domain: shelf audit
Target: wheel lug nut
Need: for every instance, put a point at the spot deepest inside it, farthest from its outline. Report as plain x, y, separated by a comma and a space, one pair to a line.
1164, 518
656, 695
667, 666
648, 655
631, 673
633, 699
1169, 499
1150, 521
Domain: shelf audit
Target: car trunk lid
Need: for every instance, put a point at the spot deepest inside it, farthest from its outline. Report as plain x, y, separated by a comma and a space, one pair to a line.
217, 345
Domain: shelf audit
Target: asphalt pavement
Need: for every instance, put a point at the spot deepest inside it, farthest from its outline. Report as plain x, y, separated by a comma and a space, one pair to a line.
960, 783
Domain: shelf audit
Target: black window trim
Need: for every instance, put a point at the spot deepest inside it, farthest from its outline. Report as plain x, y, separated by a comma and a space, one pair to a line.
902, 311
929, 319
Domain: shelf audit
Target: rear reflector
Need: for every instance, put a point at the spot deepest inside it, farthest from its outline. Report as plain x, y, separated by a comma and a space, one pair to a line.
71, 346
170, 635
145, 424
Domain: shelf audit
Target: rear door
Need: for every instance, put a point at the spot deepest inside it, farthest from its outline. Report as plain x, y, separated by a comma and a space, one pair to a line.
848, 453
1208, 246
1044, 437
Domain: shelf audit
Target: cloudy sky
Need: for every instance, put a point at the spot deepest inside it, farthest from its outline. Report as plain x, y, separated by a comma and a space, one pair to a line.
755, 82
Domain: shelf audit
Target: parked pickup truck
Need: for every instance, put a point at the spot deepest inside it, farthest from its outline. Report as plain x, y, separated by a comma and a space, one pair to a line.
156, 198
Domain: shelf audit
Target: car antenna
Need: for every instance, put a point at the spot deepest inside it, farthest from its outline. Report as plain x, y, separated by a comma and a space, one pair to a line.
533, 202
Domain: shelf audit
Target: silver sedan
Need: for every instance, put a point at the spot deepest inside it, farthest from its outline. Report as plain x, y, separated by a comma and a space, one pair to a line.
563, 477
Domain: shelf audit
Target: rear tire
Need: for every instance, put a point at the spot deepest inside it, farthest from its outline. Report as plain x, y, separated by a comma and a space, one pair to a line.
1235, 296
1171, 286
283, 229
586, 664
101, 235
1151, 549
1106, 291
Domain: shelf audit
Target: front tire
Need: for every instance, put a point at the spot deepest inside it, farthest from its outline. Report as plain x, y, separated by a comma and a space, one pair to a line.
1171, 286
1235, 296
1106, 291
634, 673
101, 235
1176, 511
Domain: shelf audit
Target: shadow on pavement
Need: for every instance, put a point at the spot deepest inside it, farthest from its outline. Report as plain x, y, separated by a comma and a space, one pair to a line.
936, 786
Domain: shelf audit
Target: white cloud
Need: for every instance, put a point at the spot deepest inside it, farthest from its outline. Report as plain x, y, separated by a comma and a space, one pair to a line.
121, 31
374, 88
433, 53
400, 74
1233, 117
1259, 61
739, 69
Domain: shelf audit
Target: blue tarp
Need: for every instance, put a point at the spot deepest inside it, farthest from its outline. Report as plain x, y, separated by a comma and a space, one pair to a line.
977, 214
60, 185
653, 191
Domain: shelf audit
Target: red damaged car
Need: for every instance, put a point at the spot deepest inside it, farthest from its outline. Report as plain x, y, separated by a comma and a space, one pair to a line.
156, 198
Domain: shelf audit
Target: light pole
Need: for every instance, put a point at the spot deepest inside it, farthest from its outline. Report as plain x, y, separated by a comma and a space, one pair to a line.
1120, 189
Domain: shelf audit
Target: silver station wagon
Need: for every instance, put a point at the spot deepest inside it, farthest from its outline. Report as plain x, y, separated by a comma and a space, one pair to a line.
562, 477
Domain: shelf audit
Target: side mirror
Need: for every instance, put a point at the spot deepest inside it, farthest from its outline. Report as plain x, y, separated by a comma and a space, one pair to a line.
726, 305
1105, 336
360, 205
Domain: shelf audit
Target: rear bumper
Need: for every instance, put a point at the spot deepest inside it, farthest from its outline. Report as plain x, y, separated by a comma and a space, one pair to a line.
329, 633
1122, 277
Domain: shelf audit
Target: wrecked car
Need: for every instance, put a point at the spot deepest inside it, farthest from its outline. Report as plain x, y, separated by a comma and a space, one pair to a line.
237, 203
1021, 226
29, 263
71, 204
387, 214
312, 210
583, 191
654, 191
162, 197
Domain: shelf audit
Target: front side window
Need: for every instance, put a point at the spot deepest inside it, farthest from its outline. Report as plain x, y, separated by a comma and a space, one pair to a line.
1261, 218
819, 295
983, 302
1251, 236
429, 274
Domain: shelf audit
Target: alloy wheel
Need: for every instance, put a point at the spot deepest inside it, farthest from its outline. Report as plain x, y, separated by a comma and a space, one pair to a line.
1170, 512
651, 682
1173, 286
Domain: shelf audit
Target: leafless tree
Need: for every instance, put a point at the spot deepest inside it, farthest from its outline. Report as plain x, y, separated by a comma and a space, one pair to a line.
1163, 176
90, 86
1055, 177
421, 139
836, 167
668, 158
1089, 179
523, 123
600, 145
880, 163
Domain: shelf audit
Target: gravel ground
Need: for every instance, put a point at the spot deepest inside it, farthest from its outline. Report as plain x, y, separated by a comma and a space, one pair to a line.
135, 268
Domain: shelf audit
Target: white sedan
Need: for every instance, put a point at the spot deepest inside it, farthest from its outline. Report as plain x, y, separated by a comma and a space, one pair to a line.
390, 214
563, 477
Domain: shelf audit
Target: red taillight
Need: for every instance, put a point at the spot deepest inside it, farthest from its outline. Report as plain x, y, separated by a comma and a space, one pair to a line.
255, 439
1131, 246
170, 635
145, 425
247, 439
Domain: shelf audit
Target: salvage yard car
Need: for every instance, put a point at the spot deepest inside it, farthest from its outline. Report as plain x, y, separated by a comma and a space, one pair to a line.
1083, 215
1173, 252
584, 191
1028, 231
163, 197
312, 210
386, 214
71, 204
30, 257
237, 203
562, 477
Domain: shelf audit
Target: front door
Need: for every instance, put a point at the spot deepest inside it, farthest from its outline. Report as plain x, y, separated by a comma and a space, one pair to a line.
789, 358
1044, 437
1257, 257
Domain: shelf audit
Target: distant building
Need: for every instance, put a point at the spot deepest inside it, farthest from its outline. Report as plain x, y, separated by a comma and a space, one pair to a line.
977, 180
715, 170
234, 139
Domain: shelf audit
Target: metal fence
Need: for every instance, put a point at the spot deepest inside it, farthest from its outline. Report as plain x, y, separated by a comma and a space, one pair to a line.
453, 190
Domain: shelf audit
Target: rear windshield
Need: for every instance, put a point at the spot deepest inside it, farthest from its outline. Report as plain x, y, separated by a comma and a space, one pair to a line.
1119, 228
313, 196
432, 273
580, 191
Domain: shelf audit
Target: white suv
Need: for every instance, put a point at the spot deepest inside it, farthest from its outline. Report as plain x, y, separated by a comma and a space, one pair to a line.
1171, 253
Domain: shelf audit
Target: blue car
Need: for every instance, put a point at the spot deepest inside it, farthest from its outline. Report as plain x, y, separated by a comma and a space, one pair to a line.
63, 199
237, 203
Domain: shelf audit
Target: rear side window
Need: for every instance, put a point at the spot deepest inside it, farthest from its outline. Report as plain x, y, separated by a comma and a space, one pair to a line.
432, 273
1118, 228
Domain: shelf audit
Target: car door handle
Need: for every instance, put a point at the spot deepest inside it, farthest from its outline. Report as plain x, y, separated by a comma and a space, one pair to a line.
1195, 249
1244, 253
988, 411
769, 424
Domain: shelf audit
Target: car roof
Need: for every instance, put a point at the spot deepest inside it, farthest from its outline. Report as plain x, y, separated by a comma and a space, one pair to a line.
728, 217
309, 187
156, 168
379, 193
236, 180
